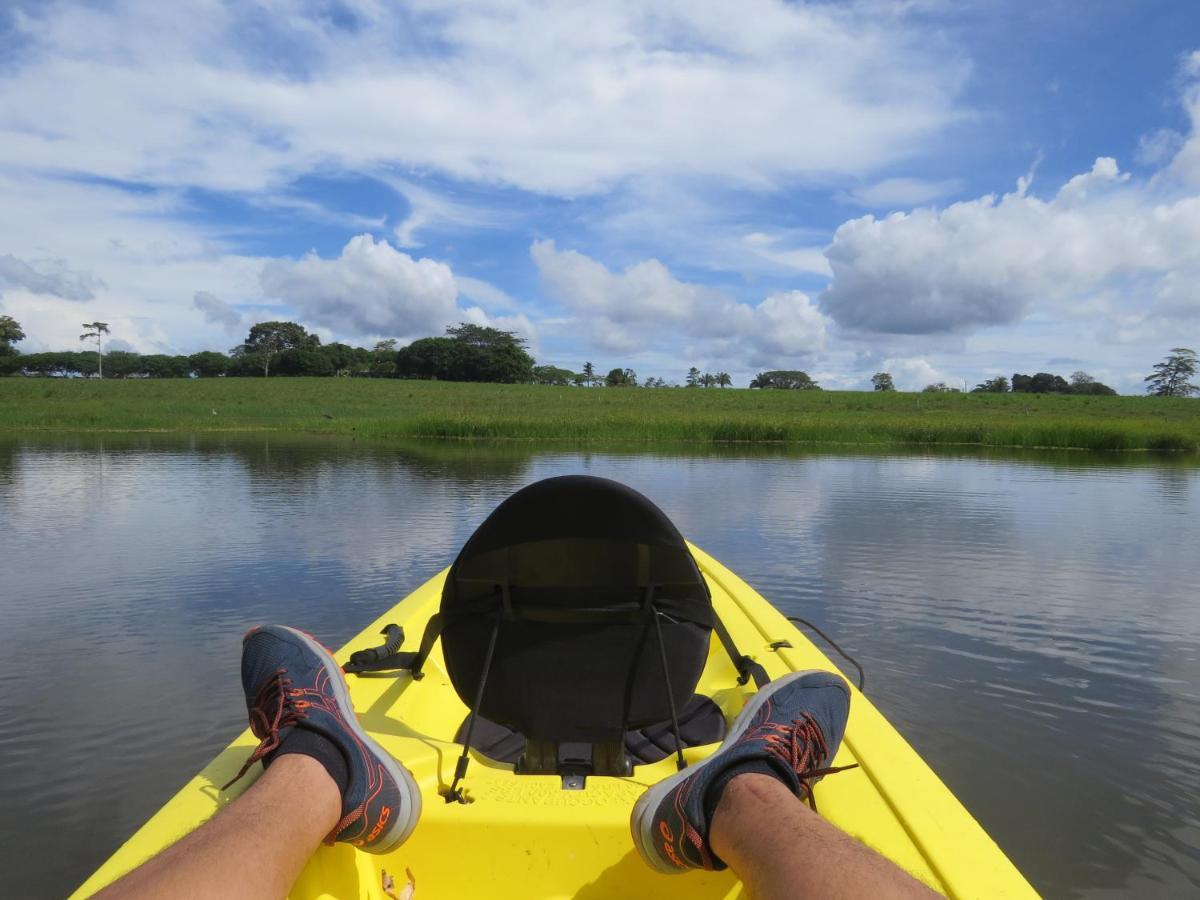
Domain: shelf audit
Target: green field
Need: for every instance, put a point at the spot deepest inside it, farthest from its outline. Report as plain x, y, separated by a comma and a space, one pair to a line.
390, 408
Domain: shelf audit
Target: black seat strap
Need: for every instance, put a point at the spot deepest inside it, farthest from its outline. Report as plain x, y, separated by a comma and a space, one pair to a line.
680, 763
433, 630
454, 793
746, 667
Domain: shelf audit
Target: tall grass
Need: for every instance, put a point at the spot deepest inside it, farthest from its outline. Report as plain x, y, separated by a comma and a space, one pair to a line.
385, 408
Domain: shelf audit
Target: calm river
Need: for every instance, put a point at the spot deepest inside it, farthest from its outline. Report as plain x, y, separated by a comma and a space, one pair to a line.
1030, 622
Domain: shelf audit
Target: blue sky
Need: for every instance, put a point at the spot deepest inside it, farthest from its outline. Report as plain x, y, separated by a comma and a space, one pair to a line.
943, 190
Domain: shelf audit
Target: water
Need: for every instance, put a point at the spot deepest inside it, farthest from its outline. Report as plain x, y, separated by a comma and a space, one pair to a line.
1030, 623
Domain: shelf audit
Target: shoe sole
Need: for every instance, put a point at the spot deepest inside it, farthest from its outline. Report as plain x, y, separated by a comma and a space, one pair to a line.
641, 821
400, 829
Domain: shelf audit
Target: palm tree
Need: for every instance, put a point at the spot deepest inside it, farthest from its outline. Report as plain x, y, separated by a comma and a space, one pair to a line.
92, 332
723, 380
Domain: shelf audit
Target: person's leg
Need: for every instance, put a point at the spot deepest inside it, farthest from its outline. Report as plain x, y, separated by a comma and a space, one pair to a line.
253, 848
780, 848
325, 779
743, 806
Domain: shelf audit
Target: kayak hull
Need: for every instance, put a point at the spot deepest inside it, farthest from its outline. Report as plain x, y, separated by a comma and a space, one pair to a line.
525, 836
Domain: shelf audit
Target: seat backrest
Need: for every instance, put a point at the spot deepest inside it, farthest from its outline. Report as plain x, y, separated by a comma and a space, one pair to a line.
568, 577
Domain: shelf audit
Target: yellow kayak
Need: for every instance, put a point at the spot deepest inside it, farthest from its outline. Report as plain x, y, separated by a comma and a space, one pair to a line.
546, 835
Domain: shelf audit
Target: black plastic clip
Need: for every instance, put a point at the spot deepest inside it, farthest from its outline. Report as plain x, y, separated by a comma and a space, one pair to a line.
385, 656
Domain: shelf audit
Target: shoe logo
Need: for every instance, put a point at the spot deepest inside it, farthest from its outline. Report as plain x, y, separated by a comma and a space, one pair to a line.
384, 815
669, 845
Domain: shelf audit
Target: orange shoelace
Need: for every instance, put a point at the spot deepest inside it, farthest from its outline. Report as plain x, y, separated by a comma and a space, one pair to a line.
802, 746
276, 706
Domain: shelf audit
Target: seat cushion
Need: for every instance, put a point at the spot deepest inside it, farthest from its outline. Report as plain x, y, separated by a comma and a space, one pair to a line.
700, 722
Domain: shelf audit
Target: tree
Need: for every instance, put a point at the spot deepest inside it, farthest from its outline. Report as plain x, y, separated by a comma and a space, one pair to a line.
1041, 383
162, 365
621, 378
208, 364
1172, 377
433, 357
489, 354
123, 364
784, 379
1083, 383
939, 387
242, 365
552, 375
589, 374
693, 377
469, 353
62, 363
723, 380
92, 331
10, 333
344, 359
308, 361
997, 385
269, 338
883, 381
382, 360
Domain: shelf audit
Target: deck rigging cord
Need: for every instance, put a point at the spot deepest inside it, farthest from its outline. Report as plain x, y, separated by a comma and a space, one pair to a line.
862, 675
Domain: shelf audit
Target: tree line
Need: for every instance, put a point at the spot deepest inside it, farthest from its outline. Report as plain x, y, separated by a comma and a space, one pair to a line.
466, 352
469, 352
1169, 378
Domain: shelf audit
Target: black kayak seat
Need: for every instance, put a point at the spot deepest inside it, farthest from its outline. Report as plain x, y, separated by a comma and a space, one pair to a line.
574, 615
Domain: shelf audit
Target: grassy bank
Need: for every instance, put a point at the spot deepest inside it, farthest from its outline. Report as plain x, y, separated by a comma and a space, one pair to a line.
386, 408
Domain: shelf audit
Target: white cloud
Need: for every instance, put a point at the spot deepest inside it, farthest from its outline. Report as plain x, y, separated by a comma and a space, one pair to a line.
217, 311
895, 192
428, 209
787, 324
142, 265
913, 374
484, 292
565, 98
47, 276
1159, 146
773, 248
716, 133
990, 262
371, 288
645, 306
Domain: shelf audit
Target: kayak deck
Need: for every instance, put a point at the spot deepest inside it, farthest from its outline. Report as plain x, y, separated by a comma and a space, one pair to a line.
524, 836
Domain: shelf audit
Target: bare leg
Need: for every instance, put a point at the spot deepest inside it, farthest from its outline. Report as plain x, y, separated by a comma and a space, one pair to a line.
782, 849
255, 847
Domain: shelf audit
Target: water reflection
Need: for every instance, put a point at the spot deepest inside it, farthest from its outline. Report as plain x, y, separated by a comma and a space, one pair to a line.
1027, 620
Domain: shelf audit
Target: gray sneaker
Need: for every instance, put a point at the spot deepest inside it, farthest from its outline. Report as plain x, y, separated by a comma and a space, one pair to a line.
795, 724
293, 682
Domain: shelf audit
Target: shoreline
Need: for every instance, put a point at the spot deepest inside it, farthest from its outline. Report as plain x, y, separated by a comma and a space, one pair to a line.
390, 408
